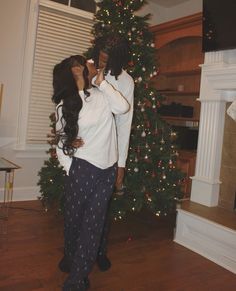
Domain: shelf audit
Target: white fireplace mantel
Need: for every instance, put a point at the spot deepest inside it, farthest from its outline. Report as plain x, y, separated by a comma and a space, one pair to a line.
218, 86
212, 240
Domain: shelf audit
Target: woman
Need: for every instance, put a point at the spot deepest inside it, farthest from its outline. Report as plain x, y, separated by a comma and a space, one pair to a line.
85, 112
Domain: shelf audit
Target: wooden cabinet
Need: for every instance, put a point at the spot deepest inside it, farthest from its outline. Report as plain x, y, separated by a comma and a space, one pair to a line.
186, 163
179, 54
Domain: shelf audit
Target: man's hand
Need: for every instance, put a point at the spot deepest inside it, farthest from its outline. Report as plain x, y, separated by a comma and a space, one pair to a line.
99, 77
77, 72
120, 178
77, 143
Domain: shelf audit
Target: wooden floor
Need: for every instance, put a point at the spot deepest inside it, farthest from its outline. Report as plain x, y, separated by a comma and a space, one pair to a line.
143, 255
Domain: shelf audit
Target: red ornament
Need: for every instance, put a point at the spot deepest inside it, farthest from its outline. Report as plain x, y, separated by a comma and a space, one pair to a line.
129, 239
147, 124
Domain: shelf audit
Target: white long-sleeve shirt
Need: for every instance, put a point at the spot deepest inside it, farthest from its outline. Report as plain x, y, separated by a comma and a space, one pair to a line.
125, 85
96, 127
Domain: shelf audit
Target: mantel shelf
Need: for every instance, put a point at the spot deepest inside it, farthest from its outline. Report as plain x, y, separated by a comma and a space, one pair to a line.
180, 118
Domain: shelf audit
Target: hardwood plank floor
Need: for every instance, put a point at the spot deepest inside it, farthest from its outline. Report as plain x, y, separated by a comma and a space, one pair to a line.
143, 255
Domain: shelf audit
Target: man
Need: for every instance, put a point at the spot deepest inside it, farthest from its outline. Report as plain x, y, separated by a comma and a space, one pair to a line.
111, 53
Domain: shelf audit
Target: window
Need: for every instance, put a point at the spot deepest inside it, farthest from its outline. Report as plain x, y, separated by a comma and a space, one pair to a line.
60, 32
87, 5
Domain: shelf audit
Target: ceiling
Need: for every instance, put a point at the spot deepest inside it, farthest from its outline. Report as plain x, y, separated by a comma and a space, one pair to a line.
167, 3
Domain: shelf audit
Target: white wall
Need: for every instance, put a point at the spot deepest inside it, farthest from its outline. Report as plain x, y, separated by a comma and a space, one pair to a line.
161, 14
158, 13
13, 24
184, 9
13, 28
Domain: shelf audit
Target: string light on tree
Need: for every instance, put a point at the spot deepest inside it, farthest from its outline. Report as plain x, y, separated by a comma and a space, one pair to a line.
148, 168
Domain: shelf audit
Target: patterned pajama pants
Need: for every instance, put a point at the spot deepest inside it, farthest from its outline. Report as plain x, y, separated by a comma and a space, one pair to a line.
88, 192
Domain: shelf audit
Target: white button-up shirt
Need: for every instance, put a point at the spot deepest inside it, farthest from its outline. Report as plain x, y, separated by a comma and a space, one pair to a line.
125, 85
96, 127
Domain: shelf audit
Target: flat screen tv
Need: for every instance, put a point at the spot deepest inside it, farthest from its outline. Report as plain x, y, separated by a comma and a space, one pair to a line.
219, 25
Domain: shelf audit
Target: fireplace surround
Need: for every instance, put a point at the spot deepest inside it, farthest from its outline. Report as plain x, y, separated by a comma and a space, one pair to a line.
211, 238
218, 86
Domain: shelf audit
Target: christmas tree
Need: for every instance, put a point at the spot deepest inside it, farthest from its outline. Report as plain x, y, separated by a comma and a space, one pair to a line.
52, 175
152, 180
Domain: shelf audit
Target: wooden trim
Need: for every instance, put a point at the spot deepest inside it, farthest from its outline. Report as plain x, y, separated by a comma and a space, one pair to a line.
182, 27
177, 24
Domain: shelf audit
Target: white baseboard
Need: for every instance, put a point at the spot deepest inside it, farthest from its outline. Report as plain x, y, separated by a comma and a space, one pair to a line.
23, 193
209, 239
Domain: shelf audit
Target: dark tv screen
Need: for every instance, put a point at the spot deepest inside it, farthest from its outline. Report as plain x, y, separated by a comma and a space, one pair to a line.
219, 25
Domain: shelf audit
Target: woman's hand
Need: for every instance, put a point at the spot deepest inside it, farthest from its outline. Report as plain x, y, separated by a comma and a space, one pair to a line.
77, 72
100, 77
77, 143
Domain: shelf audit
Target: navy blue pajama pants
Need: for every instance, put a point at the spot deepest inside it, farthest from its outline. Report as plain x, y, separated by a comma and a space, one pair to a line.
88, 191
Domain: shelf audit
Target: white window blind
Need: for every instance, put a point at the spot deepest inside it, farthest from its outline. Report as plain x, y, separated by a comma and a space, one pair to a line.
59, 34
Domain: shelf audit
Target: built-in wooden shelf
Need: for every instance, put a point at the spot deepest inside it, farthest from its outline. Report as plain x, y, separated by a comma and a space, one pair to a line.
179, 93
179, 56
182, 121
178, 28
181, 72
180, 118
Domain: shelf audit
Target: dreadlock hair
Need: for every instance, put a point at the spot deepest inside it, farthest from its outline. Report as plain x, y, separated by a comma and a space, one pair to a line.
117, 48
65, 89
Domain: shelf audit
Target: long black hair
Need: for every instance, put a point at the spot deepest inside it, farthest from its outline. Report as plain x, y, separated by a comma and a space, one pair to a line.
118, 51
65, 90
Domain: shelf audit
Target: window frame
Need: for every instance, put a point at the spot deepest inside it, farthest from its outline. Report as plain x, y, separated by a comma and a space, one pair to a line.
23, 148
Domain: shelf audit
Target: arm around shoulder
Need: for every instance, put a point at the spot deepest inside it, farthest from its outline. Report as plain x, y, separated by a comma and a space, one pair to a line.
117, 102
